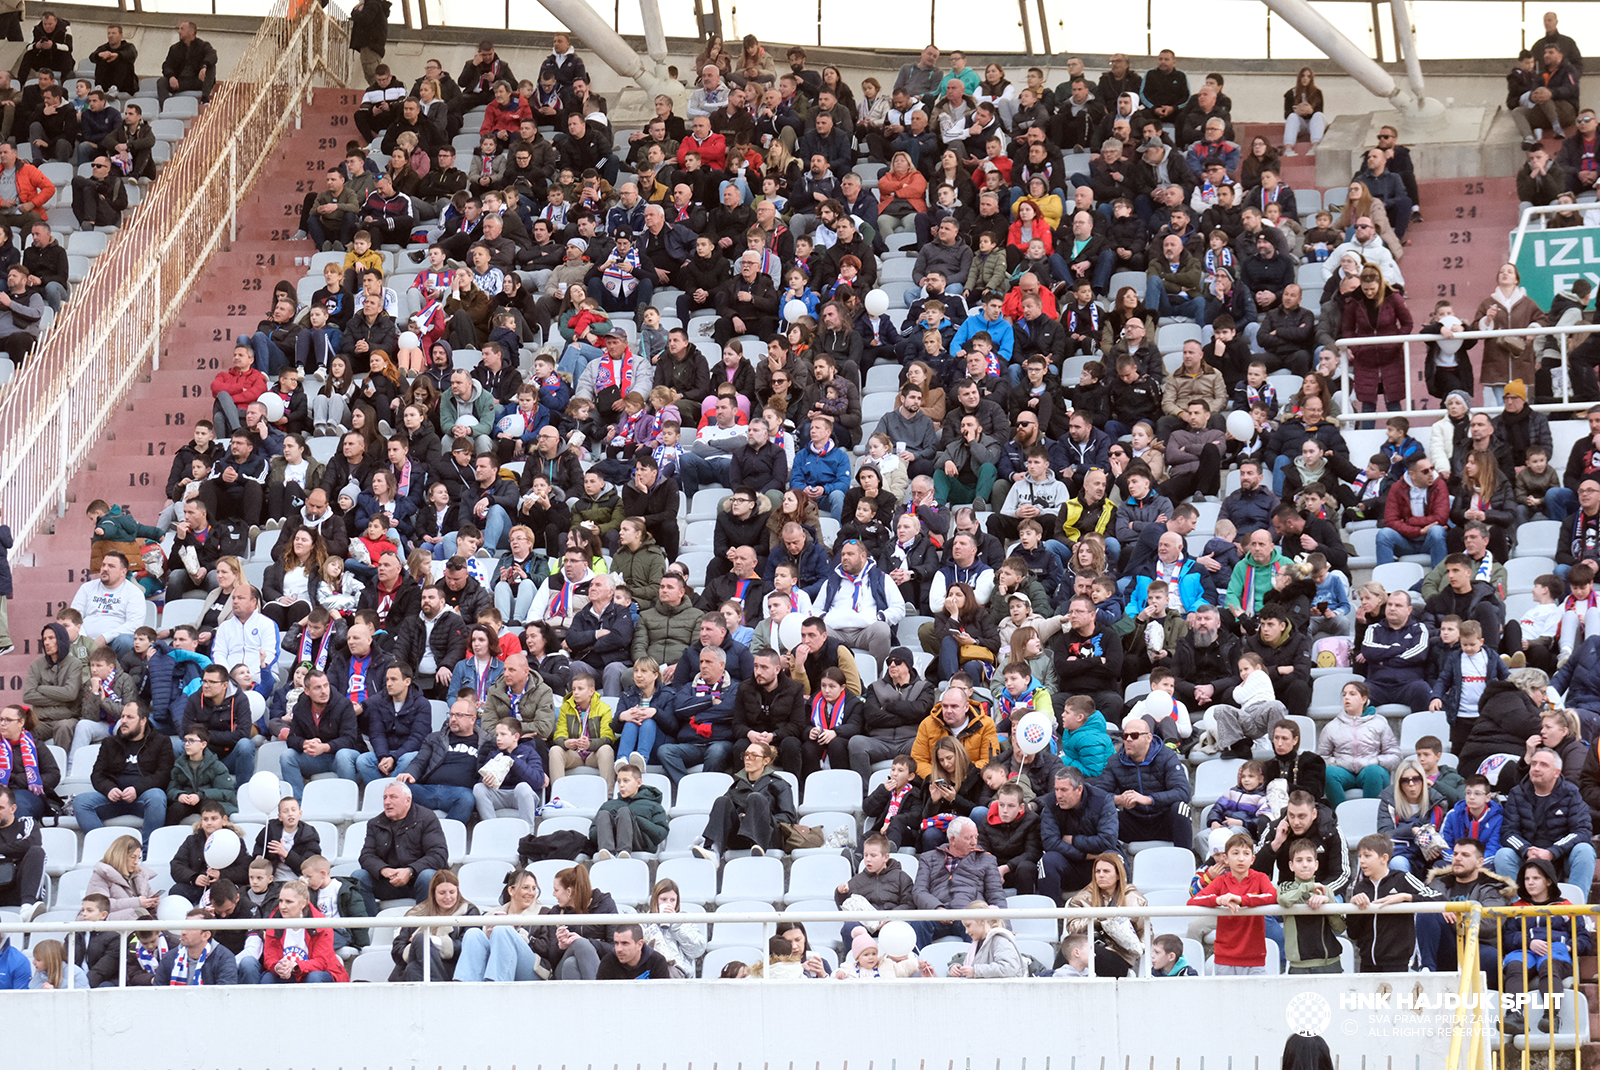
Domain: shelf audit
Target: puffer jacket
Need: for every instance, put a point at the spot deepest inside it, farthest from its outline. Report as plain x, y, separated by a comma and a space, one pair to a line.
1507, 716
665, 632
890, 889
1557, 822
1333, 860
1354, 743
1160, 775
1579, 678
975, 876
649, 817
997, 956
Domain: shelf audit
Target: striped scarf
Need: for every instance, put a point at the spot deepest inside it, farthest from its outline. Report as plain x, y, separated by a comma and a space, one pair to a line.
187, 972
897, 799
827, 715
30, 763
606, 376
318, 658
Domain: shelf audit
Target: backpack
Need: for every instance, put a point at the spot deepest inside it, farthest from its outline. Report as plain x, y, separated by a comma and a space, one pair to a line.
1331, 652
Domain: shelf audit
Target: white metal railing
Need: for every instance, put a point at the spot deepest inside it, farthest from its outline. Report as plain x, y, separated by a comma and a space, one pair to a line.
1531, 212
766, 921
1344, 345
57, 406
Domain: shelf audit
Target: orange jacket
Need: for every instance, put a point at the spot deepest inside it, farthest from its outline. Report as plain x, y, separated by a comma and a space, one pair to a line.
33, 188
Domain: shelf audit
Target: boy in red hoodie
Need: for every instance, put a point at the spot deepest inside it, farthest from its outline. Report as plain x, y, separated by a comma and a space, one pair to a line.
1241, 941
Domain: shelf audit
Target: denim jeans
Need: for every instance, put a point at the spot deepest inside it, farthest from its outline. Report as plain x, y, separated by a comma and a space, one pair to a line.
457, 803
1391, 544
675, 758
503, 955
91, 808
950, 662
1157, 300
1559, 503
637, 737
296, 767
495, 525
367, 766
241, 761
696, 470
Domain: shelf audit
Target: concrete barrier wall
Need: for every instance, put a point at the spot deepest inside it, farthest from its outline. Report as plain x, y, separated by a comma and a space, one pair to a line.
651, 1025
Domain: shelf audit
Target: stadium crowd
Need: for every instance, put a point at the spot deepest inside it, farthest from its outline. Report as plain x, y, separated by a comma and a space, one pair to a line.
546, 512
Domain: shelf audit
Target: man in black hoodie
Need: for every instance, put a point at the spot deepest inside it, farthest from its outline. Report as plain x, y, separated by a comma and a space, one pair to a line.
130, 775
237, 484
655, 501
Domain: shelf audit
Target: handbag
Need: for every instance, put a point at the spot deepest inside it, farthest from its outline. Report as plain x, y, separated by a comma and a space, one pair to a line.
797, 837
974, 652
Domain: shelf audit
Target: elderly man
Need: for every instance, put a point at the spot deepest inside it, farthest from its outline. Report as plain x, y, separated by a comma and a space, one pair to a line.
951, 876
1076, 824
1253, 576
1393, 655
747, 303
403, 848
701, 725
859, 602
601, 636
1547, 820
1416, 515
711, 95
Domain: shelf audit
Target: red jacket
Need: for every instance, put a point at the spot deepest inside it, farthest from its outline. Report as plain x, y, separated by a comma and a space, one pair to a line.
243, 387
1011, 308
1397, 508
1241, 938
1041, 230
713, 151
508, 119
319, 951
33, 188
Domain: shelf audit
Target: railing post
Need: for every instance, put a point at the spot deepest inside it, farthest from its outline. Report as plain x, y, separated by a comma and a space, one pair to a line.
427, 956
1566, 372
233, 189
155, 327
72, 956
122, 963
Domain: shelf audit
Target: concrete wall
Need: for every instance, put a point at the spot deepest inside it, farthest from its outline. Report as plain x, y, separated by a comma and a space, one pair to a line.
1053, 1025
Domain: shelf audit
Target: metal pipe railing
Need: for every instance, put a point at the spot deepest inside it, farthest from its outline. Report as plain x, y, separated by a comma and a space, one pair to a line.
53, 411
1344, 345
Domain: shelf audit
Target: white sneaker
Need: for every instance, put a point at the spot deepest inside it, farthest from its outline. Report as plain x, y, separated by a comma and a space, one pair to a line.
1288, 150
700, 850
602, 855
624, 854
30, 909
757, 851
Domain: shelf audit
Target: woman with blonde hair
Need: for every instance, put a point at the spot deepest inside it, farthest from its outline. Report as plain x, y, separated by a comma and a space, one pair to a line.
904, 194
1118, 942
50, 968
1359, 202
1406, 809
994, 951
441, 943
121, 877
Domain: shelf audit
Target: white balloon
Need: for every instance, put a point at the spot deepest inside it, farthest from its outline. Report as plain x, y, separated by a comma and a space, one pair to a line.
274, 406
264, 792
877, 302
173, 908
1032, 734
794, 310
514, 424
1240, 426
897, 939
222, 848
409, 340
789, 631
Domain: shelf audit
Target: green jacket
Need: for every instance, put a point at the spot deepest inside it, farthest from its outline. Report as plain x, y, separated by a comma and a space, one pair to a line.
480, 407
649, 818
641, 570
988, 272
351, 905
1262, 582
665, 632
604, 510
209, 779
118, 526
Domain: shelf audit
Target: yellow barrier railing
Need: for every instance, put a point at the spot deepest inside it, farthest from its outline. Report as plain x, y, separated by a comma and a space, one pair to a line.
1535, 996
57, 406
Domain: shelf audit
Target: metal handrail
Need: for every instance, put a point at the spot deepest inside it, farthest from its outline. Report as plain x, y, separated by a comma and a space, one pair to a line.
702, 917
1344, 345
54, 410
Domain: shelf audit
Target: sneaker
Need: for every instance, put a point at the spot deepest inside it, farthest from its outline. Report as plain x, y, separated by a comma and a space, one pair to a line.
700, 850
8, 648
299, 235
1519, 660
1288, 150
602, 855
624, 854
637, 761
757, 851
255, 532
30, 909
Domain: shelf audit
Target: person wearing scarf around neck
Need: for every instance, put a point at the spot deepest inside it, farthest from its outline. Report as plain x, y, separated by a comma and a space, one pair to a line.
198, 959
26, 767
1508, 307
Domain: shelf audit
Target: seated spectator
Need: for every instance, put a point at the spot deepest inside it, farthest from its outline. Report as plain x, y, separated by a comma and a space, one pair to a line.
951, 876
1118, 942
1162, 811
192, 874
191, 64
1358, 745
405, 845
198, 959
124, 880
575, 954
295, 956
438, 948
130, 776
749, 814
503, 952
1393, 653
21, 845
